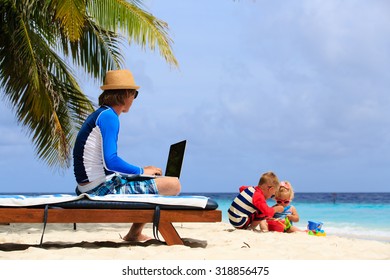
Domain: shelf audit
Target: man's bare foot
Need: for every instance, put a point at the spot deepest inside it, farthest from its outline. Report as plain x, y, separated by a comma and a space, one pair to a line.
140, 238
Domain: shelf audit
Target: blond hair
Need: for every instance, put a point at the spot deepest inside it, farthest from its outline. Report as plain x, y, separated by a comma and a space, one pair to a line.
285, 189
270, 179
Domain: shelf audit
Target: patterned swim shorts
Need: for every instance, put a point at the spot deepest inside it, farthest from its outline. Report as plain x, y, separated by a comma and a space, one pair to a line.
120, 185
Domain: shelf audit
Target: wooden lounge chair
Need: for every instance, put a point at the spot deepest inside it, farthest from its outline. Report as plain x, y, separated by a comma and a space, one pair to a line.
87, 211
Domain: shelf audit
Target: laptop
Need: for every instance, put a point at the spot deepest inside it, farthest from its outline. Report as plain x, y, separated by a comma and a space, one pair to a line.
175, 159
174, 163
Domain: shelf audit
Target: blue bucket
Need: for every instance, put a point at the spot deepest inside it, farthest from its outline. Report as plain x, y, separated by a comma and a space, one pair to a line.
314, 225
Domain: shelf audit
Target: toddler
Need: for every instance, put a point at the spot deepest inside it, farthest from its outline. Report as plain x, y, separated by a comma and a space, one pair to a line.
249, 209
283, 196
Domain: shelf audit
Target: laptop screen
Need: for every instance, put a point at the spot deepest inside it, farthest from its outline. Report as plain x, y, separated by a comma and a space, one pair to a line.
175, 159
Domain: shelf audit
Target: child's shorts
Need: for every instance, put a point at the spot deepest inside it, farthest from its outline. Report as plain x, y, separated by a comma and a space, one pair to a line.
247, 221
120, 185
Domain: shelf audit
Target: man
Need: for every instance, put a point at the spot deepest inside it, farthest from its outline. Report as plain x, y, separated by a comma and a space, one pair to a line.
97, 167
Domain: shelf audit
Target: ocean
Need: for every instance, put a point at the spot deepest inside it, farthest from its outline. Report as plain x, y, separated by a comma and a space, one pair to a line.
355, 215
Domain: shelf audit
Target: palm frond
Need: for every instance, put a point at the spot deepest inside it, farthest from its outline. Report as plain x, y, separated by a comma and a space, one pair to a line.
35, 38
98, 51
134, 23
71, 15
42, 91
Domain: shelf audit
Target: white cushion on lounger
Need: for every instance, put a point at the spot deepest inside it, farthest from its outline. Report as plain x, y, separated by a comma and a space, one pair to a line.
34, 200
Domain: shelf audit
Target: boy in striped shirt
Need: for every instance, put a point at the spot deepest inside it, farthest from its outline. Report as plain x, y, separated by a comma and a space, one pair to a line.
250, 209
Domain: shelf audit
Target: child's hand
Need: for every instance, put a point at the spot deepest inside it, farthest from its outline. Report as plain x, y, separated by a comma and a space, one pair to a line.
278, 208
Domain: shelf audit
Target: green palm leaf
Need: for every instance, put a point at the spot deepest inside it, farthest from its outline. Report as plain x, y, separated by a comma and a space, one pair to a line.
38, 36
71, 15
136, 24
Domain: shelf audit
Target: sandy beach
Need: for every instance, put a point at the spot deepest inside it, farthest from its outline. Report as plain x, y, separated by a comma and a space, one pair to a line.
217, 241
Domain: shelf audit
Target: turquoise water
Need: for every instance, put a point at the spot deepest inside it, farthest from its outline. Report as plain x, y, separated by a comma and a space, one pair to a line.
357, 215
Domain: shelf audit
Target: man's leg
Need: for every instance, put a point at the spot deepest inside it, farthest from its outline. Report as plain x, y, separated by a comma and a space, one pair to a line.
165, 186
168, 185
135, 233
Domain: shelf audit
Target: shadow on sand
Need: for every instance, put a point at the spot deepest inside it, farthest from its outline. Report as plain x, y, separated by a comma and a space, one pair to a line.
7, 247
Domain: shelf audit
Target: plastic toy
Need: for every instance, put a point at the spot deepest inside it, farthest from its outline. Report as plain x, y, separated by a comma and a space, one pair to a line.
314, 225
279, 225
276, 225
317, 232
315, 228
287, 224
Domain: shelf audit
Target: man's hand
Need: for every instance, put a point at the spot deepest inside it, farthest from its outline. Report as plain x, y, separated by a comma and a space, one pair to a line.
152, 170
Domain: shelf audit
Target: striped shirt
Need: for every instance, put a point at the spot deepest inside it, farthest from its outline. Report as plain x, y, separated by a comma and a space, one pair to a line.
250, 202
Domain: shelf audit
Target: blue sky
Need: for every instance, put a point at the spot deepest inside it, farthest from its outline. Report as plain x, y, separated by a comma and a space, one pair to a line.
297, 87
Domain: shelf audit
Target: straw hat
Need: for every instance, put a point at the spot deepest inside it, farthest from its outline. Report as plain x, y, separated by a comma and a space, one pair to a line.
119, 79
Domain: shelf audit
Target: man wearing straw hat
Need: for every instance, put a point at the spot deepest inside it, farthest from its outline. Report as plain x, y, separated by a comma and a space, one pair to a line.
97, 167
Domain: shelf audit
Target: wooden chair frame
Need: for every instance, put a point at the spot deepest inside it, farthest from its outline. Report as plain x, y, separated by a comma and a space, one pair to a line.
63, 215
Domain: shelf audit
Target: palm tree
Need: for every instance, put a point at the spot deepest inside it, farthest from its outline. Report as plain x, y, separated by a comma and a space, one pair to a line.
37, 37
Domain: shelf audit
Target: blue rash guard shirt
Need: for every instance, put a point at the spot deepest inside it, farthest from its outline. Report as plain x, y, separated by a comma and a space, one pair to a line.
95, 151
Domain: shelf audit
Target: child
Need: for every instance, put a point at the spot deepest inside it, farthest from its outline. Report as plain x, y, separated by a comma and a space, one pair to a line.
249, 209
283, 196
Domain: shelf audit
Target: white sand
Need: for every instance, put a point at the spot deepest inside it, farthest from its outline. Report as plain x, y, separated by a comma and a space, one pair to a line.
210, 241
